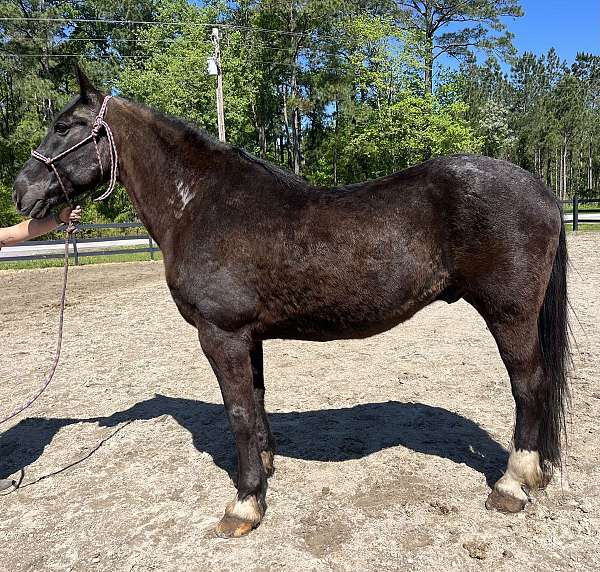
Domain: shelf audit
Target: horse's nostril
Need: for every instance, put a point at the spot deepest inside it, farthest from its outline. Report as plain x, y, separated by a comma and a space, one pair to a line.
16, 199
20, 189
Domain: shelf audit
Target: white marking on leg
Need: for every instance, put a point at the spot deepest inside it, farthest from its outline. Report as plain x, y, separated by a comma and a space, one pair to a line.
267, 460
524, 467
509, 486
248, 509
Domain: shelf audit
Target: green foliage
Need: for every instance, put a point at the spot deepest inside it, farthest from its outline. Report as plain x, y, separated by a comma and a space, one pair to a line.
544, 116
382, 140
331, 89
457, 28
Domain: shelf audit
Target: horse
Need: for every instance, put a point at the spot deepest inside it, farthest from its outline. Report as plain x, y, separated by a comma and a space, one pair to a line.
253, 252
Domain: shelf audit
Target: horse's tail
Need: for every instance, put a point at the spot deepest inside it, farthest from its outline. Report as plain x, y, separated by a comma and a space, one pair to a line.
553, 331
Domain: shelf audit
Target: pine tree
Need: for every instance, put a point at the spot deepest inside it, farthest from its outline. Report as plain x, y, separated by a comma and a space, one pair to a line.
457, 28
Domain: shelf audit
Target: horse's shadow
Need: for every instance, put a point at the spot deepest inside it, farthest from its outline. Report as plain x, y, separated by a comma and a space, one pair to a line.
321, 435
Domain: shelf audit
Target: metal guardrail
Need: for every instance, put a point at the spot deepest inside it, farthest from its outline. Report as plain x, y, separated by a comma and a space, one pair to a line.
74, 242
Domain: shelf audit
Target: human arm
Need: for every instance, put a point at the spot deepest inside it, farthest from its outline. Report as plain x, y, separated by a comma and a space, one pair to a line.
33, 228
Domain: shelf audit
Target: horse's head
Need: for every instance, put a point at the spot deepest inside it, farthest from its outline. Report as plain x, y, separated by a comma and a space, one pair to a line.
37, 188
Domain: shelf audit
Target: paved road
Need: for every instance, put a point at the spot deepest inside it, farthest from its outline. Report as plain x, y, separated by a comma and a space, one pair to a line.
29, 249
583, 217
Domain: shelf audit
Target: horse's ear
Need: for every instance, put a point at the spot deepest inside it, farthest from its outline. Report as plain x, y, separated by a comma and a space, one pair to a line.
86, 90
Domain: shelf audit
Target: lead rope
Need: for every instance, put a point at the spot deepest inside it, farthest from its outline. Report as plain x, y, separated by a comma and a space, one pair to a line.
71, 228
99, 123
114, 156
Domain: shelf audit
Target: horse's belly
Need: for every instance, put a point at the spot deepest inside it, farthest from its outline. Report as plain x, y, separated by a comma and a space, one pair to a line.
307, 330
347, 319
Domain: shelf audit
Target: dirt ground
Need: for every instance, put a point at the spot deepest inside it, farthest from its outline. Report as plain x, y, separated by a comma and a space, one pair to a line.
386, 447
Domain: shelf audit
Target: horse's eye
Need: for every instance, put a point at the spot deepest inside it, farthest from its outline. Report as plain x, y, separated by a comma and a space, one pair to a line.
61, 128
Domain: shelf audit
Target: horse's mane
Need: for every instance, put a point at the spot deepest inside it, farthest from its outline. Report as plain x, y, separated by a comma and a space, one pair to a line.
195, 134
284, 176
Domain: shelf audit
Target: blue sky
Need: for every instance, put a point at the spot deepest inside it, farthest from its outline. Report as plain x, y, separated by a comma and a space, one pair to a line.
567, 25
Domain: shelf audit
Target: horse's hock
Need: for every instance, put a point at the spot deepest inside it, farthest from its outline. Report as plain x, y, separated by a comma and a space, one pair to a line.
385, 447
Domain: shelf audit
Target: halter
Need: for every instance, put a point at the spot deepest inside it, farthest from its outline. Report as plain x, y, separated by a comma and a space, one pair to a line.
99, 123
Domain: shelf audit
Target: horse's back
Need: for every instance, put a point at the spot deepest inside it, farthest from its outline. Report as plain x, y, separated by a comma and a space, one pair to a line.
458, 226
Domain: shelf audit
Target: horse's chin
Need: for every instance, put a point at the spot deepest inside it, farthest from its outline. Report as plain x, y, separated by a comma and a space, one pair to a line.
39, 210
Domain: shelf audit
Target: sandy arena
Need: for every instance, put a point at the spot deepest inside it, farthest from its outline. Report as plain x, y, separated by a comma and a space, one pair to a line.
386, 446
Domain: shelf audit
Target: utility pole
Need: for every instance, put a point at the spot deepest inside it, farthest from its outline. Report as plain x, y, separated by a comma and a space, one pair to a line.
335, 140
219, 73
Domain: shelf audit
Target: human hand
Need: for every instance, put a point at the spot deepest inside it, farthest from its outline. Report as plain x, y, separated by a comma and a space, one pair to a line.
69, 214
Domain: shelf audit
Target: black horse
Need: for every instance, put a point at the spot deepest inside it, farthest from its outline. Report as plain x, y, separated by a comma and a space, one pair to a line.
252, 252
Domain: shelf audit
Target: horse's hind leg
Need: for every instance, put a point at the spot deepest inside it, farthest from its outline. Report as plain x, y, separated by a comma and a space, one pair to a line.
524, 301
266, 441
521, 353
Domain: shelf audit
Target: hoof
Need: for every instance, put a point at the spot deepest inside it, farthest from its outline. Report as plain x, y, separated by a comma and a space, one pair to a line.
267, 461
233, 527
506, 501
7, 485
240, 517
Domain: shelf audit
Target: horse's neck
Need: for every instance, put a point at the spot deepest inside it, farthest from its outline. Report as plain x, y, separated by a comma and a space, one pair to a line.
159, 184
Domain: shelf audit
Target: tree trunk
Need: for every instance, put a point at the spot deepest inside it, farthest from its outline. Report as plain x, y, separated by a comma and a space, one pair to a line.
429, 34
286, 124
564, 166
259, 127
335, 141
296, 126
590, 168
557, 172
297, 140
281, 150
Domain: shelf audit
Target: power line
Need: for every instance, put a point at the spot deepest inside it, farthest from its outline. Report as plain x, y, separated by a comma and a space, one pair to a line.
68, 39
88, 55
292, 65
115, 56
74, 21
115, 41
96, 39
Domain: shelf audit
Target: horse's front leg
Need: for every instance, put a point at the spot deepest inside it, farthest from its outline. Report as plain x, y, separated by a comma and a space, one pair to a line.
229, 356
266, 441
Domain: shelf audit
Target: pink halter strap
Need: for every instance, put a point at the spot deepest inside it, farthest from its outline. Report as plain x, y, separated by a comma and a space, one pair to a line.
99, 123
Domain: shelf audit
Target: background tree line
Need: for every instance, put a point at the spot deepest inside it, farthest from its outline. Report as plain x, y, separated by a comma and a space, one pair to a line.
337, 91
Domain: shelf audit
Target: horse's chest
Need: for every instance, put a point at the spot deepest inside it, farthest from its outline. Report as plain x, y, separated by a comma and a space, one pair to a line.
217, 296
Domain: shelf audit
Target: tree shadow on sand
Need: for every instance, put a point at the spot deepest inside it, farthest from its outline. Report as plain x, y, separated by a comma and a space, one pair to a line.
323, 435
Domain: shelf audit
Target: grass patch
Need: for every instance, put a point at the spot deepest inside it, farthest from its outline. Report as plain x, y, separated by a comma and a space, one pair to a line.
83, 261
583, 227
582, 208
